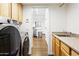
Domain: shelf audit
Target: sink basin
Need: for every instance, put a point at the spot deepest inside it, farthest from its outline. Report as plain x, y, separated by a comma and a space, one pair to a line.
64, 35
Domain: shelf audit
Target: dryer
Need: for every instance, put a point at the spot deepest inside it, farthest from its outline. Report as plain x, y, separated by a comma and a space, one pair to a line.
10, 39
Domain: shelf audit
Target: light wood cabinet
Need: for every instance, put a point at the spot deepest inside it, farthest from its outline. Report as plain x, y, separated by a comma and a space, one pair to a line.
73, 53
64, 53
65, 48
15, 11
20, 12
5, 9
53, 45
57, 50
60, 48
56, 46
57, 41
12, 10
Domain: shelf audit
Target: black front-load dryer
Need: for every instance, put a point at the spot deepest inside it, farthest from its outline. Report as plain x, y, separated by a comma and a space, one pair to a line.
10, 41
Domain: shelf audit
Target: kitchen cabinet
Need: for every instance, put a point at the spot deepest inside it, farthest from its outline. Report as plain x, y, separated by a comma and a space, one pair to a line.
5, 9
73, 53
15, 11
12, 10
20, 12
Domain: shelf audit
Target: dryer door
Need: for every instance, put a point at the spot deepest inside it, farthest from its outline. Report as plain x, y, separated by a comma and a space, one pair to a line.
13, 41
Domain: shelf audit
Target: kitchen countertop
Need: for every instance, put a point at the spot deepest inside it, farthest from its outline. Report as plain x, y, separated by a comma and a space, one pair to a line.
72, 41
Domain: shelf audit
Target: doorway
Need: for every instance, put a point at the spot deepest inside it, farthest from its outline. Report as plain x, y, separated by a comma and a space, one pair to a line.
40, 31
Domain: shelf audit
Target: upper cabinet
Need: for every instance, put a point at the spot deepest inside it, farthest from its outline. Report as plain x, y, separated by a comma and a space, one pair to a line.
20, 12
12, 10
5, 9
15, 11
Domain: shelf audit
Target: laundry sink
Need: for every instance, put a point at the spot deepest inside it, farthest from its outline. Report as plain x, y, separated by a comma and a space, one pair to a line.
64, 35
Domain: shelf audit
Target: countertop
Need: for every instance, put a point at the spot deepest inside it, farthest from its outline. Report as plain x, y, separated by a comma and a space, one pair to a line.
72, 41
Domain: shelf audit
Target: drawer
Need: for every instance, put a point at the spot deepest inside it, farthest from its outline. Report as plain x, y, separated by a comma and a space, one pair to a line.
73, 53
57, 41
65, 47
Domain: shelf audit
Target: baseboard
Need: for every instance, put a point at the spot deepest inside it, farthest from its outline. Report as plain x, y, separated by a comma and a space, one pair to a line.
50, 55
29, 54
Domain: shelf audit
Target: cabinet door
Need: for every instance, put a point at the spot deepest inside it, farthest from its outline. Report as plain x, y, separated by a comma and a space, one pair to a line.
5, 10
15, 11
64, 53
53, 45
57, 50
20, 12
65, 47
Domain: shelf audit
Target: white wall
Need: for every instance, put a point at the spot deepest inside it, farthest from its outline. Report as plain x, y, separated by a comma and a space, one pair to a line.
73, 18
57, 21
